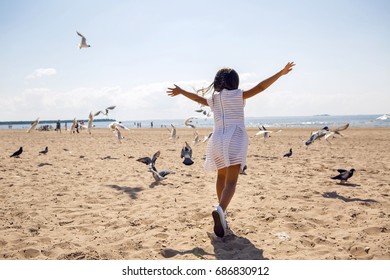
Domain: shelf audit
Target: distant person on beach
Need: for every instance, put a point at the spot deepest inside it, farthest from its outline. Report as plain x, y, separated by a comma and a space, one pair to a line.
58, 126
227, 147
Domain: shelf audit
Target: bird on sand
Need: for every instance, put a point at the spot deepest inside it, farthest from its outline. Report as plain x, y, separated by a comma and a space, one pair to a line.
83, 43
44, 151
17, 153
151, 162
344, 175
288, 154
186, 153
105, 112
118, 135
317, 135
73, 127
90, 122
33, 125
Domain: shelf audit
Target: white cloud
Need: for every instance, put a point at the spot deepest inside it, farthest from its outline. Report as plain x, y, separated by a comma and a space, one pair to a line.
41, 72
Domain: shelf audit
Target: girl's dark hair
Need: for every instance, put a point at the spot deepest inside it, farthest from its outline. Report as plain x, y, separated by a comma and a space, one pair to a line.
226, 78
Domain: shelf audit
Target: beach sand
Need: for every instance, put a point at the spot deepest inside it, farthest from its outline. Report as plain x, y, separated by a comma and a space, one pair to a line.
89, 198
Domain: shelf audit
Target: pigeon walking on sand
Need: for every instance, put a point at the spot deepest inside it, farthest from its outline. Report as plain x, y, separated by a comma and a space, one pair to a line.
44, 152
83, 43
344, 175
186, 153
17, 153
288, 154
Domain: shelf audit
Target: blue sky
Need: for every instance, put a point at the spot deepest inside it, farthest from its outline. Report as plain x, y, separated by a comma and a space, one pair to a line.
139, 48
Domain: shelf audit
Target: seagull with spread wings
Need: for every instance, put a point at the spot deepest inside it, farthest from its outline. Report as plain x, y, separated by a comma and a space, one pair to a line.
33, 125
83, 43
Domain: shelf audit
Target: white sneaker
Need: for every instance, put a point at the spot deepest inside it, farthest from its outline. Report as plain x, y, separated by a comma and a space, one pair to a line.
219, 222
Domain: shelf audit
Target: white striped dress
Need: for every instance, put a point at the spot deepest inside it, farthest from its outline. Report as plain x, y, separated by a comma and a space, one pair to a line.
228, 144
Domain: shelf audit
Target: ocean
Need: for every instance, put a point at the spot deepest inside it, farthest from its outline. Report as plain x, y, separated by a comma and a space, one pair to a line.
202, 122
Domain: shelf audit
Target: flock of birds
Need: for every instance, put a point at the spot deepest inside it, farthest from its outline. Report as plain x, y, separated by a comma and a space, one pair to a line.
186, 152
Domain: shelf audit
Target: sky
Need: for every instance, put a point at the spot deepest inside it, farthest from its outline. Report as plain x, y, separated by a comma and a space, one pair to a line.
140, 48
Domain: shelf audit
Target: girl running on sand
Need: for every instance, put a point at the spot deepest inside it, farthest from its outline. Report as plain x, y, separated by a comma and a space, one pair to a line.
228, 145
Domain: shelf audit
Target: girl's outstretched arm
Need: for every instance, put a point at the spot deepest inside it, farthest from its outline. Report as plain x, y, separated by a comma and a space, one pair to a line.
267, 82
177, 90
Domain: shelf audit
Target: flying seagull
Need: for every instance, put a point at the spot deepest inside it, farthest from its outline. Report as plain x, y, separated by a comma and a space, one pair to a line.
33, 125
344, 175
151, 162
186, 153
207, 137
83, 43
266, 133
188, 122
173, 132
44, 152
332, 133
17, 153
115, 125
289, 154
105, 111
196, 137
317, 135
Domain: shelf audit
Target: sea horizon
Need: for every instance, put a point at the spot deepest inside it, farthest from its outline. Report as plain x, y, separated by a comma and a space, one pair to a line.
369, 120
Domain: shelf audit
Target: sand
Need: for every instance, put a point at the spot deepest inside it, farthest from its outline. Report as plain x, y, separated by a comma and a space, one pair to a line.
88, 198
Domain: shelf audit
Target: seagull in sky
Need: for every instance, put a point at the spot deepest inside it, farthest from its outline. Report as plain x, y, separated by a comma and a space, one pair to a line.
83, 43
105, 112
265, 132
188, 122
33, 125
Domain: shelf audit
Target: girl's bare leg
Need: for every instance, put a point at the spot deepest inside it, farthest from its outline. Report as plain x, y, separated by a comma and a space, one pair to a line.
231, 177
221, 180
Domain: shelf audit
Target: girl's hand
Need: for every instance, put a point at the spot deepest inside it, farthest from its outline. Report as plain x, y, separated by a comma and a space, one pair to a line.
289, 66
174, 91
